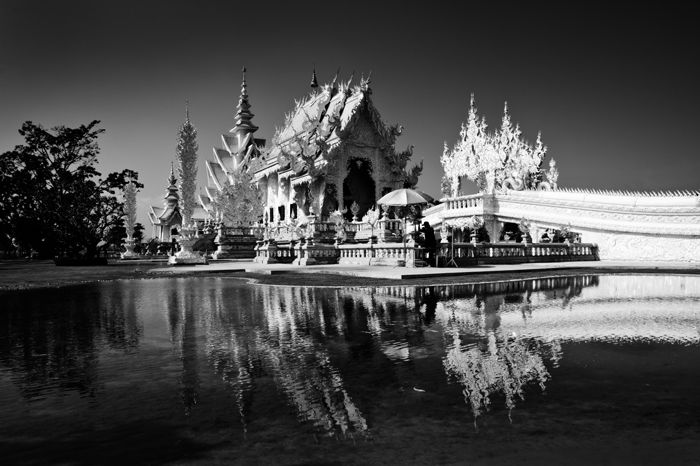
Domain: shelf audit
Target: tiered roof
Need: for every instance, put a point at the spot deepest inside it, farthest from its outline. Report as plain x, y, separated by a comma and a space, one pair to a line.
330, 112
239, 147
165, 214
327, 115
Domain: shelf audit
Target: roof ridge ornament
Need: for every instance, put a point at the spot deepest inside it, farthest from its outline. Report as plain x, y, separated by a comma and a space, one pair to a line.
365, 82
348, 88
334, 84
314, 80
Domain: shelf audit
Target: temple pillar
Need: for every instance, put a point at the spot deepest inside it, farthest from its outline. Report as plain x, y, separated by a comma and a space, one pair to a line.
272, 189
262, 185
493, 227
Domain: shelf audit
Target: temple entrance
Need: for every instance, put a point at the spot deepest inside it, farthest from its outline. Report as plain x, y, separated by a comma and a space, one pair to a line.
358, 187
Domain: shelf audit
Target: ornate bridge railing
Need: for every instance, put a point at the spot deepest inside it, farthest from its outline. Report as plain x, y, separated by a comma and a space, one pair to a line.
464, 206
385, 230
251, 230
466, 254
393, 254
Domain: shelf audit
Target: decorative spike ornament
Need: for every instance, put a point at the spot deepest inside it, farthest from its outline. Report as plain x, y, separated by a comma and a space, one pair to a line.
334, 83
171, 179
314, 80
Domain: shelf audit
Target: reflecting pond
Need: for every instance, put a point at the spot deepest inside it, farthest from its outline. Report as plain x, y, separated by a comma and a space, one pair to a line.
580, 368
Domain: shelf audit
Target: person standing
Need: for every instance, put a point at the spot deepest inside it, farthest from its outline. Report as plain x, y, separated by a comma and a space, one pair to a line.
429, 242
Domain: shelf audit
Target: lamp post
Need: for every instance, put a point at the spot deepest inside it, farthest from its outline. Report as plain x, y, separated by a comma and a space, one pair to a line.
451, 262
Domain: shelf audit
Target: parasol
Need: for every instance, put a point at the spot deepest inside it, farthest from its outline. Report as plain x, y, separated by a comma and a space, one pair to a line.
402, 198
405, 197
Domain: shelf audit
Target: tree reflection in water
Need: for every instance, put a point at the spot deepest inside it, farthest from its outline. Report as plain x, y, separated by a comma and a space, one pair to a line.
478, 354
504, 366
181, 317
50, 339
493, 363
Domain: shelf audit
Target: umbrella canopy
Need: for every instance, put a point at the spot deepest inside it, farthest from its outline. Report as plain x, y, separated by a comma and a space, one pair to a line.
405, 197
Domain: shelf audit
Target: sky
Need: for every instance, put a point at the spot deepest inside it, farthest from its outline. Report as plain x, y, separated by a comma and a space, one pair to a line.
613, 89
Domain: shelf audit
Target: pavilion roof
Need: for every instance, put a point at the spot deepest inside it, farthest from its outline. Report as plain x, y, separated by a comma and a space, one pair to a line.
334, 109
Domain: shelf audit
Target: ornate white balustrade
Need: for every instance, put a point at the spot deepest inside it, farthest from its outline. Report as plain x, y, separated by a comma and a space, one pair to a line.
248, 230
393, 254
506, 253
464, 206
386, 230
625, 226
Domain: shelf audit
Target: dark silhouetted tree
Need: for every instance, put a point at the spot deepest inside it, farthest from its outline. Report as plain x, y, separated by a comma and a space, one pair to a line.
52, 198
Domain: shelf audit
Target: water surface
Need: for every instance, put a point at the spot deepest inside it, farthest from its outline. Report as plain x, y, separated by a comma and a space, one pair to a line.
580, 369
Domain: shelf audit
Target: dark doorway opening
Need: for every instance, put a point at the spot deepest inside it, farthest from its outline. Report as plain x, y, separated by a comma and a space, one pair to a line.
359, 187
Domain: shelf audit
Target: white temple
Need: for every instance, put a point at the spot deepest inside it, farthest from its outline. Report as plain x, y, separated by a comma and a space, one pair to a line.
657, 226
333, 150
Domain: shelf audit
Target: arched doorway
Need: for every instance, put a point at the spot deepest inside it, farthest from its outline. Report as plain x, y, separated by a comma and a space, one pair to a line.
358, 186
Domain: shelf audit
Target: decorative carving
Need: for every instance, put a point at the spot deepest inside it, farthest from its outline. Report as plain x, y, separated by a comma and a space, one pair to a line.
354, 208
515, 184
411, 176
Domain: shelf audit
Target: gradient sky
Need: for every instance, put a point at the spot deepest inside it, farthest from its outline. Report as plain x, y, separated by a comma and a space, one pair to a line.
614, 90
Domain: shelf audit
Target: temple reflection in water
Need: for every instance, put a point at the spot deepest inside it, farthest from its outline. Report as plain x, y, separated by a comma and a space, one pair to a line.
333, 358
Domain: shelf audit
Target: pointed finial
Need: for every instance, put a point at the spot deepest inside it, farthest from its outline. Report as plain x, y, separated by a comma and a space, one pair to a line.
243, 116
244, 85
187, 111
335, 79
314, 81
172, 178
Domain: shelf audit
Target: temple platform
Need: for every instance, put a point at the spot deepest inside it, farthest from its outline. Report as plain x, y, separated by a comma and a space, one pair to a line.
400, 273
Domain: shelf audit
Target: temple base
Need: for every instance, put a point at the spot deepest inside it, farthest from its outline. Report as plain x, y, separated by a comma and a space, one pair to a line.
129, 253
186, 256
237, 246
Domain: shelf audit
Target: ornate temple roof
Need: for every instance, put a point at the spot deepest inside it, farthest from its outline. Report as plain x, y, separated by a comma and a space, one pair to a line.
327, 115
332, 110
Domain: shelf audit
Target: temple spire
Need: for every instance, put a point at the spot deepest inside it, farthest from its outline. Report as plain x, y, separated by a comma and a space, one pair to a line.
244, 117
187, 111
172, 198
171, 179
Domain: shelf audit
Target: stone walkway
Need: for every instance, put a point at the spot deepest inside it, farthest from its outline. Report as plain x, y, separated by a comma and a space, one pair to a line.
399, 273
